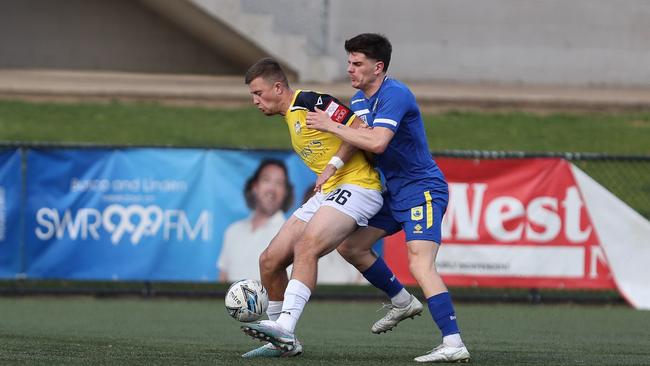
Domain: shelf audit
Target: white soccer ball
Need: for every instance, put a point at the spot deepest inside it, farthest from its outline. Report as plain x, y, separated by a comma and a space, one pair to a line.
246, 300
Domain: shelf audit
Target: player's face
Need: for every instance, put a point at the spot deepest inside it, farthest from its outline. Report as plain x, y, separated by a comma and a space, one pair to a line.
270, 189
363, 72
265, 96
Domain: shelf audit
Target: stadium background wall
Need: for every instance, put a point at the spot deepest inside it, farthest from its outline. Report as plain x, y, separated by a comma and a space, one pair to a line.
581, 42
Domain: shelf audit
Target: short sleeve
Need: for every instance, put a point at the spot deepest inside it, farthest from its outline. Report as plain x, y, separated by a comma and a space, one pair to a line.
337, 111
391, 109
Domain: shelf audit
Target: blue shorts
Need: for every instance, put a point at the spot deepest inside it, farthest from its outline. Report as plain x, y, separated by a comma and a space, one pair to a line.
422, 222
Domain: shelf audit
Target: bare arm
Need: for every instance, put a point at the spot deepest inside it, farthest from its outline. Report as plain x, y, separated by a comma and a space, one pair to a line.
370, 139
344, 152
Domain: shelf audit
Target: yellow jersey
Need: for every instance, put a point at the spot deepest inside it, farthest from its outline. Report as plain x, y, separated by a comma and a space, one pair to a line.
316, 148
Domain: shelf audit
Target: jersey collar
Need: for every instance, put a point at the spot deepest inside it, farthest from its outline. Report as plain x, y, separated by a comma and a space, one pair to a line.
372, 101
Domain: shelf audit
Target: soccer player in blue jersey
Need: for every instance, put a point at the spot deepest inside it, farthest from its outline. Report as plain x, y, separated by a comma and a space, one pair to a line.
417, 192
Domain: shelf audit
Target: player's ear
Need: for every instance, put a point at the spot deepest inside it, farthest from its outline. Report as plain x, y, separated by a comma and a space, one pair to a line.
379, 67
277, 87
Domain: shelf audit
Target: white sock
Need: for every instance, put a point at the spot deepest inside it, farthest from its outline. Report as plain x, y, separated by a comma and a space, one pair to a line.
274, 310
452, 340
295, 298
402, 299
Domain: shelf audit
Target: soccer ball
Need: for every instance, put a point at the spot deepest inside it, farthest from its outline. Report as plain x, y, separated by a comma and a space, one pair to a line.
246, 300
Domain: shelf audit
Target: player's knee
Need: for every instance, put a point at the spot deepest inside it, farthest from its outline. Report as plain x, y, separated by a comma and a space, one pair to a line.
307, 248
268, 262
348, 251
414, 269
419, 268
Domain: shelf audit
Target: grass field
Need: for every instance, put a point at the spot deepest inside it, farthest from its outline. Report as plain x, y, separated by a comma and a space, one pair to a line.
151, 124
133, 331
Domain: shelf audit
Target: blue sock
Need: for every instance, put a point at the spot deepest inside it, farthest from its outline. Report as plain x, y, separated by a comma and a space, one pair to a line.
380, 276
442, 311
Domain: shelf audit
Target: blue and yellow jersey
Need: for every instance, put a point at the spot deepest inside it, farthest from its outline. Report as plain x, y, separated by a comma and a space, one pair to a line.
316, 148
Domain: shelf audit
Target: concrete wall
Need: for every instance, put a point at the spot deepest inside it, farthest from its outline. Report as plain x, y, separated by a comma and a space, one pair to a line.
309, 18
527, 41
121, 35
577, 42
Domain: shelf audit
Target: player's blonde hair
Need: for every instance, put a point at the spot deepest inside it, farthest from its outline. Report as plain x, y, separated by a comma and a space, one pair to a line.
268, 69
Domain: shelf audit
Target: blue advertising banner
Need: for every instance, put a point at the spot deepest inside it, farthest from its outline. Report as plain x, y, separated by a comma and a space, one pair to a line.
137, 214
10, 197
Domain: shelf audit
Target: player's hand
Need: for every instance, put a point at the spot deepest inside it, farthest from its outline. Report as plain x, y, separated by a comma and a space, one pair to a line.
319, 120
326, 174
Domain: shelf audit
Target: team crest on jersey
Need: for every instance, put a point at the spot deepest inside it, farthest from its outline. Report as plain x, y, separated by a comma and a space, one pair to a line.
417, 229
297, 127
416, 213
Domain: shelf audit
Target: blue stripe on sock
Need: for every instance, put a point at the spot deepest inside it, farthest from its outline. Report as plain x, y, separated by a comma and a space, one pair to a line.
379, 275
442, 311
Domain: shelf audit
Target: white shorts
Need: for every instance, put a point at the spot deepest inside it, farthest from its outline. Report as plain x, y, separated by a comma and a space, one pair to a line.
357, 202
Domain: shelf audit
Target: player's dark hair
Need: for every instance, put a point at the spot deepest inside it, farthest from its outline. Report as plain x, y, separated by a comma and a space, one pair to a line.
374, 46
268, 69
248, 188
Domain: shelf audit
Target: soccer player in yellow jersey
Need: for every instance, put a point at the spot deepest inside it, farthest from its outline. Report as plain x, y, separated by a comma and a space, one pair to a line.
348, 193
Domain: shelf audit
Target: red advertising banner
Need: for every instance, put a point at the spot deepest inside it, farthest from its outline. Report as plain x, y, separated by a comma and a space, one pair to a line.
513, 223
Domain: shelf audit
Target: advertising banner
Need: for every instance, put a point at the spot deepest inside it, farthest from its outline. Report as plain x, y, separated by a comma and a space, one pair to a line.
160, 214
136, 214
10, 200
514, 223
625, 238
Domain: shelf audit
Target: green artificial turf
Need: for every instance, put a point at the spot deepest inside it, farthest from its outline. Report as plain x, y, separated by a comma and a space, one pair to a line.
133, 331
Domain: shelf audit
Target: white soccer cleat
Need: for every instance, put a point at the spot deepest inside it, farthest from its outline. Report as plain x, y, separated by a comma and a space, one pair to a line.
444, 353
269, 350
270, 331
396, 315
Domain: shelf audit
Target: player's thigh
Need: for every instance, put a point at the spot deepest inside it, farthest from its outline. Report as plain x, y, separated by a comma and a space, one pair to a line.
361, 240
341, 211
281, 248
422, 253
325, 231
